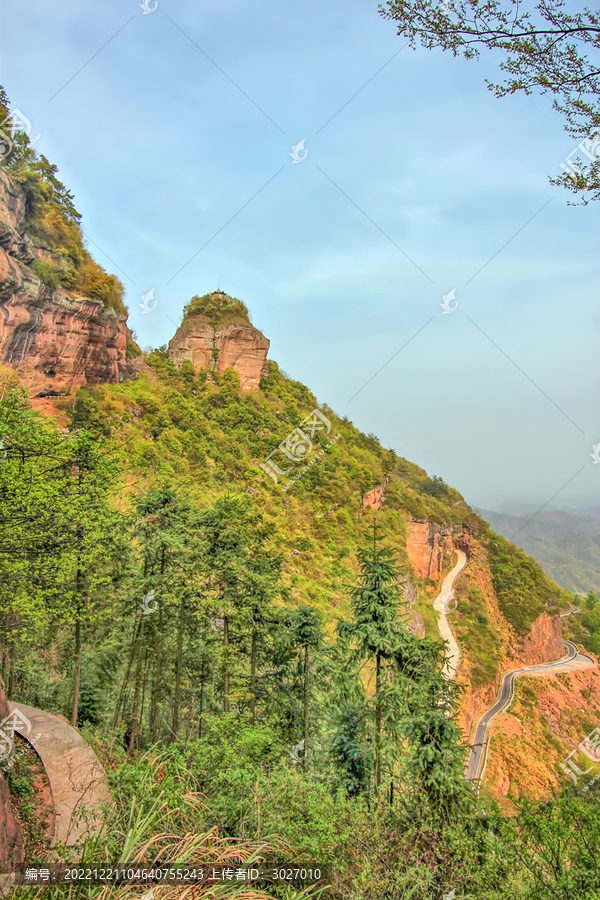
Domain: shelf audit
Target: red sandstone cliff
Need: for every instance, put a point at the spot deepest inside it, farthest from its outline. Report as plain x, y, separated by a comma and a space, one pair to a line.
56, 342
426, 544
544, 642
235, 344
375, 498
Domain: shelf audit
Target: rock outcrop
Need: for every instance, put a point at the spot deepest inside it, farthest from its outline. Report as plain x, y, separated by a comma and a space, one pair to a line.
11, 836
375, 498
236, 345
55, 341
426, 544
544, 643
465, 539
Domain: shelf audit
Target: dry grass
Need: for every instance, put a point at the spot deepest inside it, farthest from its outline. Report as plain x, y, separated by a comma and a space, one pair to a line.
144, 845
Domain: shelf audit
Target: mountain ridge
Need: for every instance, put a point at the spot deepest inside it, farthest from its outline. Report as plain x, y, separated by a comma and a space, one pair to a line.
567, 545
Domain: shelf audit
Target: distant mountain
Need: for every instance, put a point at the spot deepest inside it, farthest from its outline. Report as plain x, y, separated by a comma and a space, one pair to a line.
567, 546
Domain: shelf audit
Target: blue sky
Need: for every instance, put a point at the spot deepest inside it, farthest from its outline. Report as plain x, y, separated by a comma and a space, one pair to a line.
176, 136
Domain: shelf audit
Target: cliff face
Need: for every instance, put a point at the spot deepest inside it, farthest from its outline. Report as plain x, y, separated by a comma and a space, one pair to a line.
544, 643
236, 344
11, 837
375, 498
56, 342
426, 544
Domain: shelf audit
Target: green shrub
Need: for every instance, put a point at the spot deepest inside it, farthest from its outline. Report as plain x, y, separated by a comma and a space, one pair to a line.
217, 307
477, 634
49, 271
20, 785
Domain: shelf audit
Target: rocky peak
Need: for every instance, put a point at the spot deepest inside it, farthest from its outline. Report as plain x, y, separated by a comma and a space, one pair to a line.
212, 344
59, 340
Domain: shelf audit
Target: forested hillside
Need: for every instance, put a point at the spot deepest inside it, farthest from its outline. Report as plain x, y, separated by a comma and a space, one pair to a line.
219, 637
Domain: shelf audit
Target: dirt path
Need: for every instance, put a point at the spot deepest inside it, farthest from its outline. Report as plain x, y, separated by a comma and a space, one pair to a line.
77, 780
439, 604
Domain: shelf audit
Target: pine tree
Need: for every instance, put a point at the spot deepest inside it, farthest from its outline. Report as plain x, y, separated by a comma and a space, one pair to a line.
437, 756
307, 637
374, 634
348, 750
241, 576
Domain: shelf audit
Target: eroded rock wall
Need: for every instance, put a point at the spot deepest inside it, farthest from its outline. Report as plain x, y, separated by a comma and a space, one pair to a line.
544, 643
235, 345
426, 544
56, 342
375, 499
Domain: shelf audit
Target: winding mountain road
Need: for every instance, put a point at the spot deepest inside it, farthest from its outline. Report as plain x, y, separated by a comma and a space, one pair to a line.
439, 604
569, 612
572, 660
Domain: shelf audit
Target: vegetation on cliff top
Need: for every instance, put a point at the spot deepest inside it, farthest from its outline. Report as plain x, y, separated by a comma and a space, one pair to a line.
52, 224
218, 308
